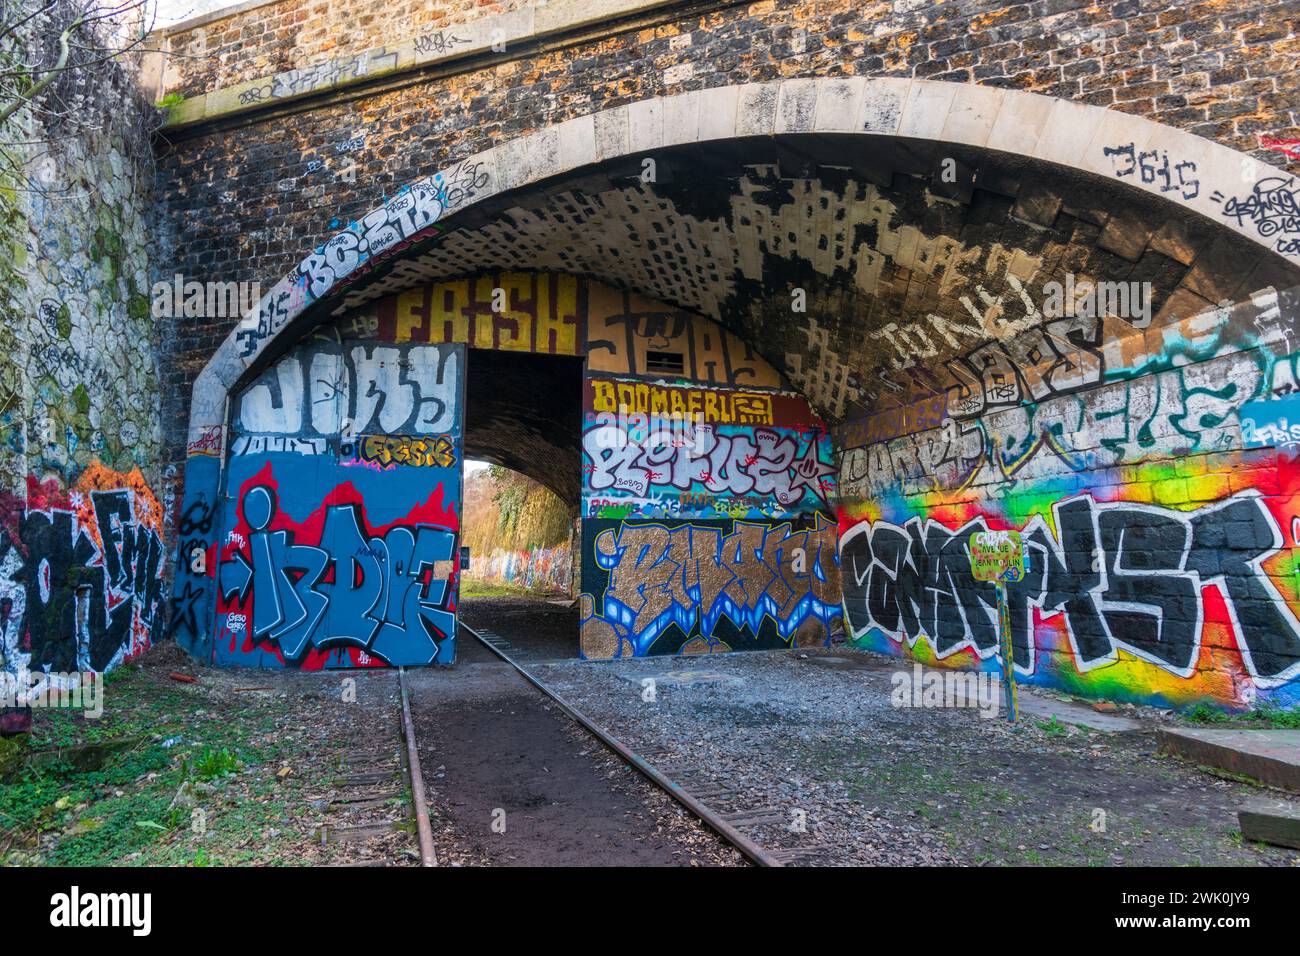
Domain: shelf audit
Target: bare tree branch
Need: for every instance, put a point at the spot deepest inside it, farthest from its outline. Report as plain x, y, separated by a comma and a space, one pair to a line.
8, 29
36, 90
66, 78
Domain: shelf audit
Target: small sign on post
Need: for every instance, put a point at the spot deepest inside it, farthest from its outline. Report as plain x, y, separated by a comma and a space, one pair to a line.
999, 557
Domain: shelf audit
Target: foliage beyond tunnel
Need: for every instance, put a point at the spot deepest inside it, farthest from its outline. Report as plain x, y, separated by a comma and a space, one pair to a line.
518, 532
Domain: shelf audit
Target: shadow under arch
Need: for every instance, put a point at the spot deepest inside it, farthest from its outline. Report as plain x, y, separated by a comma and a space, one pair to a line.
1076, 136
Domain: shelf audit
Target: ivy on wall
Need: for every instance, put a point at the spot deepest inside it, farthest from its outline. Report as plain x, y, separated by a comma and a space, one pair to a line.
505, 510
13, 394
78, 344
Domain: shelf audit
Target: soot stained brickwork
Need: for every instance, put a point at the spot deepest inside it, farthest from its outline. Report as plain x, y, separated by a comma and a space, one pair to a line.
246, 202
280, 36
903, 287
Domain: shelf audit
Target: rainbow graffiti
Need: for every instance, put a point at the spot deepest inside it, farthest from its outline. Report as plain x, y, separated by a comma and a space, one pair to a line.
1185, 570
535, 569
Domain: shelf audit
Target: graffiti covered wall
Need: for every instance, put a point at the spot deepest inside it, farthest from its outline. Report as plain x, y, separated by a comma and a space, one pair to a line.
696, 587
85, 510
706, 519
356, 434
537, 569
336, 546
1162, 523
662, 451
81, 573
682, 420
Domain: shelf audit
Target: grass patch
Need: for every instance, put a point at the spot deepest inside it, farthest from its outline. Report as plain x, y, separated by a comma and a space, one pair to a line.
1053, 727
1205, 714
212, 763
1266, 716
171, 774
471, 588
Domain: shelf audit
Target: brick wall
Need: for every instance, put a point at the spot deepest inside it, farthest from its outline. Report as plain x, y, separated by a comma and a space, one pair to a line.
279, 36
245, 201
1225, 70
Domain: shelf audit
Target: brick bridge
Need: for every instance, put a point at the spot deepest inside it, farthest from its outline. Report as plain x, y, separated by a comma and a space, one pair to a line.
786, 298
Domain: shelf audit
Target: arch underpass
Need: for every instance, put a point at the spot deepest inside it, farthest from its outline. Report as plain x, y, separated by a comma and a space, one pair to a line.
891, 313
524, 411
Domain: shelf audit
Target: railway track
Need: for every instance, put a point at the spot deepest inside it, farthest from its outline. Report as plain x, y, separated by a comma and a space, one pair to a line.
376, 792
370, 783
683, 784
415, 778
368, 789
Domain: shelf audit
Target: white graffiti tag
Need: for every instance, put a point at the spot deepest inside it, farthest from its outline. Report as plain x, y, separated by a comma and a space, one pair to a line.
762, 462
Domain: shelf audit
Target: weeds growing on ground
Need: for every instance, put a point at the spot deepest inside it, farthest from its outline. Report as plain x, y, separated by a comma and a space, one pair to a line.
1267, 713
1053, 727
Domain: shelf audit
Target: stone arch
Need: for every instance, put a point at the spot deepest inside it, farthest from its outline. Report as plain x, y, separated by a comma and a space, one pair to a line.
1191, 174
1196, 174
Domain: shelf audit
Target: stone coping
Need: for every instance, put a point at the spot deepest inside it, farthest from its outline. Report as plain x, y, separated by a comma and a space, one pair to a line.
488, 35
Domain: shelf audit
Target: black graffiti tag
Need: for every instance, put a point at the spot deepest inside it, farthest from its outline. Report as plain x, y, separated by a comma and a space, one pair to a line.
197, 519
1121, 575
1272, 207
115, 585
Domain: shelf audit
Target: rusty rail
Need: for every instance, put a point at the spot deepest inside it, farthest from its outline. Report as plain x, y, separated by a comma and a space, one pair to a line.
746, 846
427, 856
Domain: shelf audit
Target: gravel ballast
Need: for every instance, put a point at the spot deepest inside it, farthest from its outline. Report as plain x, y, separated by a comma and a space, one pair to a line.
808, 744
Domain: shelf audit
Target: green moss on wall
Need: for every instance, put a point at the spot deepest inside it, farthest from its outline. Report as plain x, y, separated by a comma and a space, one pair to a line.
505, 510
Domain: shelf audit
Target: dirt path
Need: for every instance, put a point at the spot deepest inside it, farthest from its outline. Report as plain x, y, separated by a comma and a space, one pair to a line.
494, 749
537, 629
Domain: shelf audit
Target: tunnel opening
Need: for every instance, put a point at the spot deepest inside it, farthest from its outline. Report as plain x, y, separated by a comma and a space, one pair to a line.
522, 492
523, 411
